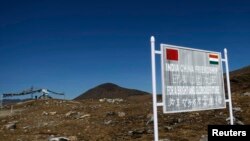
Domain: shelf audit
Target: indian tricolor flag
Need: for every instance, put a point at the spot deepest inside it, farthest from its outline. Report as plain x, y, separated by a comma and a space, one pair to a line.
213, 58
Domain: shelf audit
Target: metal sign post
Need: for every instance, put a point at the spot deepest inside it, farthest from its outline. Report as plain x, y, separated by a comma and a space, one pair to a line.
229, 100
154, 88
192, 80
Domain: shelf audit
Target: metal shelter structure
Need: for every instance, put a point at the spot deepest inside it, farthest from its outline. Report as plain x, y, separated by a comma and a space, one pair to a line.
31, 91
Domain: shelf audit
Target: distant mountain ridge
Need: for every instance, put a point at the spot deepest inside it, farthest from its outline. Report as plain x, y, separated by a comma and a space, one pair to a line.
109, 90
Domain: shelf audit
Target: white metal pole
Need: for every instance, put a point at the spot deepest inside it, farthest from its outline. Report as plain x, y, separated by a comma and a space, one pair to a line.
156, 137
228, 88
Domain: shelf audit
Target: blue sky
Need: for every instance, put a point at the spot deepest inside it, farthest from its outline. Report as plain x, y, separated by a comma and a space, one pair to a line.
71, 46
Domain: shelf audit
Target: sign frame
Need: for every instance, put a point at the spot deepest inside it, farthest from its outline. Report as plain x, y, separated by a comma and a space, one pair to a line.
154, 91
168, 46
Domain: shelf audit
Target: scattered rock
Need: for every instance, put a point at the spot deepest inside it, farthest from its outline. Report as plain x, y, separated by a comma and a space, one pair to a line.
52, 113
246, 94
110, 113
45, 124
121, 114
25, 130
83, 116
204, 138
102, 100
149, 131
26, 127
150, 118
192, 115
3, 121
118, 100
44, 113
107, 122
228, 119
168, 128
58, 139
139, 131
111, 100
130, 133
179, 120
237, 109
71, 113
238, 122
73, 138
11, 125
136, 133
164, 140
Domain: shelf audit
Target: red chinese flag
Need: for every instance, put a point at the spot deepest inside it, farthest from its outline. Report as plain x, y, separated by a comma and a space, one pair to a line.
172, 54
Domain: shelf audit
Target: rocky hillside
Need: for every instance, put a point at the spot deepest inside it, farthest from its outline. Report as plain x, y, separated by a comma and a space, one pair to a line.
240, 80
109, 90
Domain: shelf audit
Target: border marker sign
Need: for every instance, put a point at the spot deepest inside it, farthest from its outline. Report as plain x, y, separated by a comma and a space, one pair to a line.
192, 80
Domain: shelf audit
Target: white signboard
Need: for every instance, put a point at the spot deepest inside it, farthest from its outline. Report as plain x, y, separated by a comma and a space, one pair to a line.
192, 79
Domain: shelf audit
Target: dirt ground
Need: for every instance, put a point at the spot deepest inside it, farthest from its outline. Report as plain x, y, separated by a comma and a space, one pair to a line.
94, 120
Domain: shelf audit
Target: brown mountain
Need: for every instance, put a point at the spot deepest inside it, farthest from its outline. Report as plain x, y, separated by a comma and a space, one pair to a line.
240, 80
109, 90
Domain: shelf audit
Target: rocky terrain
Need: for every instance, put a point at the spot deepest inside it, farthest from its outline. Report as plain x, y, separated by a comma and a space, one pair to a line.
109, 119
115, 118
240, 80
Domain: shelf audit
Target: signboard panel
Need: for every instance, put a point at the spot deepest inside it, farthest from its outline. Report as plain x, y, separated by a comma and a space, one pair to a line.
192, 79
